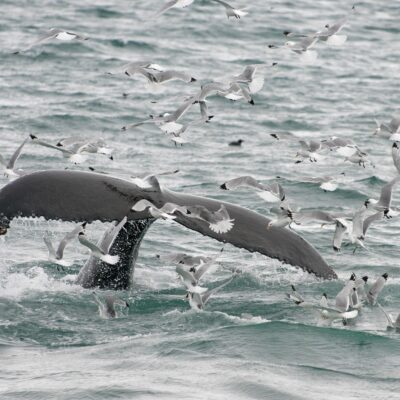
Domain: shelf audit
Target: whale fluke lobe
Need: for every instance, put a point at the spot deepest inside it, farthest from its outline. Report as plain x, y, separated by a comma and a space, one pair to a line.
87, 196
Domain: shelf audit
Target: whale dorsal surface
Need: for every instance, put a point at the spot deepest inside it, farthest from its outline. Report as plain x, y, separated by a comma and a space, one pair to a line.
86, 196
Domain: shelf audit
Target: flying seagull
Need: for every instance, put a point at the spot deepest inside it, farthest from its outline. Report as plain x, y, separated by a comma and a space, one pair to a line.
54, 33
270, 193
57, 256
10, 170
101, 251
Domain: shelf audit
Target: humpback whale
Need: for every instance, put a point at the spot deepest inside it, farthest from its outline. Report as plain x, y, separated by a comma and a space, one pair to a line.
86, 197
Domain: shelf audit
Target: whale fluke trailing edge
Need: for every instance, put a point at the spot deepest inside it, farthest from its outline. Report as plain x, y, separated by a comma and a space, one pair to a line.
85, 196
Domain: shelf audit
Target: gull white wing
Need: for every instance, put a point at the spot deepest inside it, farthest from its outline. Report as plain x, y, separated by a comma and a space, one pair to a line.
396, 155
206, 296
341, 229
15, 156
390, 320
165, 76
66, 239
369, 220
241, 181
202, 269
386, 192
50, 248
52, 33
111, 234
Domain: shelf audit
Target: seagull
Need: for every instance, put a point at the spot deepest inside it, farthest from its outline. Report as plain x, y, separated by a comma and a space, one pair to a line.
396, 156
175, 136
341, 229
191, 277
335, 142
57, 256
326, 183
156, 74
74, 154
376, 288
309, 151
358, 232
231, 11
218, 221
343, 146
270, 193
248, 77
331, 313
101, 250
166, 122
295, 297
302, 217
10, 170
165, 212
392, 128
148, 181
107, 309
173, 4
301, 47
236, 92
392, 322
359, 158
86, 145
285, 217
329, 34
54, 33
384, 202
359, 229
342, 299
197, 301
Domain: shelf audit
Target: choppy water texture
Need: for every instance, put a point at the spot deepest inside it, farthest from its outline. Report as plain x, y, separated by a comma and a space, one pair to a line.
53, 343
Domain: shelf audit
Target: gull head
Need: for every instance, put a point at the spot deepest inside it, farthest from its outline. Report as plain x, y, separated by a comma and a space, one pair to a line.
370, 202
290, 43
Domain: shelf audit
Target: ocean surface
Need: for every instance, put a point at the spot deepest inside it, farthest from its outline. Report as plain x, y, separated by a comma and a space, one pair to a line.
250, 342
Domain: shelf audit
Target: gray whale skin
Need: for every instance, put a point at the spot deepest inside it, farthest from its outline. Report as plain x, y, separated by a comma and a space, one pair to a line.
87, 196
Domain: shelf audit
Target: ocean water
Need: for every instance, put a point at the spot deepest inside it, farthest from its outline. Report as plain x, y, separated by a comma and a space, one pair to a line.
53, 343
